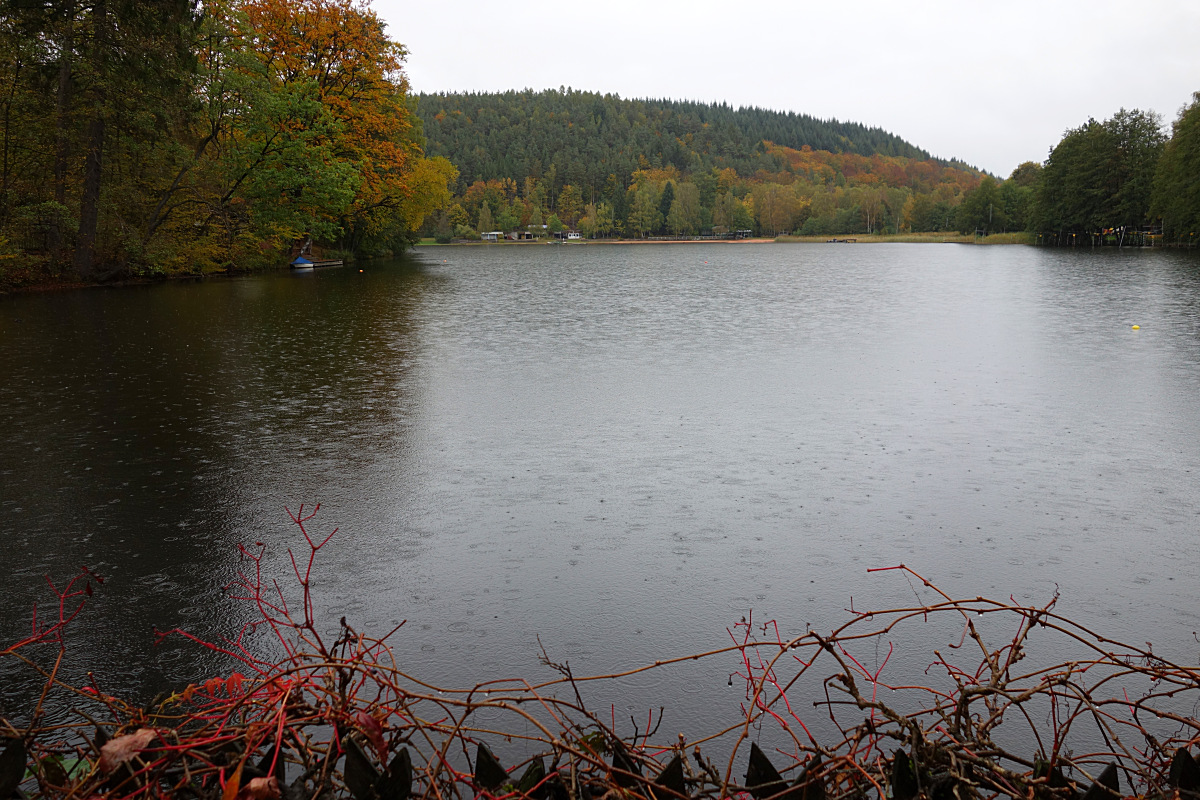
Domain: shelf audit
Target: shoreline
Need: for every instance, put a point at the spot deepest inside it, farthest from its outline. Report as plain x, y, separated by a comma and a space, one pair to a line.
863, 238
918, 238
575, 242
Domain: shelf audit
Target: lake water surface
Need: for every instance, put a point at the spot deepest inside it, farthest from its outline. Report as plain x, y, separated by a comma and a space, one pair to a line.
621, 450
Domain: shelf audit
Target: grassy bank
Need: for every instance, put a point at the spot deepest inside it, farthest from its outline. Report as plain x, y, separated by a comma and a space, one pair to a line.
859, 238
917, 238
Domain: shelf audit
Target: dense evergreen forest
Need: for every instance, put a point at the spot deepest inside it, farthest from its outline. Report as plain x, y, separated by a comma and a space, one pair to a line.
552, 160
612, 166
585, 136
146, 137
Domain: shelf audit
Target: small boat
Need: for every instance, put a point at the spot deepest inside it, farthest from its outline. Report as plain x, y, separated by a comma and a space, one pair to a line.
304, 264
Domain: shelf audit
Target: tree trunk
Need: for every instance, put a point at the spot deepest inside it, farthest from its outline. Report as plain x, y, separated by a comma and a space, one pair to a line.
62, 143
89, 201
89, 205
62, 105
4, 169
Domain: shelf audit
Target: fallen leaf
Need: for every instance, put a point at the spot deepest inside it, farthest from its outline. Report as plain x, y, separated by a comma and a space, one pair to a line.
233, 784
116, 752
370, 726
260, 789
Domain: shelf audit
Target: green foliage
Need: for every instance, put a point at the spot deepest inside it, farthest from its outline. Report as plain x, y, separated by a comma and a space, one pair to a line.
143, 137
510, 216
287, 157
747, 169
665, 199
644, 217
1176, 196
730, 214
570, 204
1027, 175
1016, 202
982, 209
597, 220
684, 215
1101, 174
587, 136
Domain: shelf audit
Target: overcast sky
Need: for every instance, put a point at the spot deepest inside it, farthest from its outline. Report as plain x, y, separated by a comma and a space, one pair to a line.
994, 83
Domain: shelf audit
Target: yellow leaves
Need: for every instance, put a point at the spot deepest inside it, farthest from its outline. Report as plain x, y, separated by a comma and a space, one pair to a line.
321, 138
822, 166
656, 176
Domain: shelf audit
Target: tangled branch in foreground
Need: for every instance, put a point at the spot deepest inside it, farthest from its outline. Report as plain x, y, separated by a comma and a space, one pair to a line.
339, 718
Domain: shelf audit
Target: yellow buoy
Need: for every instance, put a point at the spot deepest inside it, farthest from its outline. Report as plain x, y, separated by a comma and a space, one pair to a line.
1137, 327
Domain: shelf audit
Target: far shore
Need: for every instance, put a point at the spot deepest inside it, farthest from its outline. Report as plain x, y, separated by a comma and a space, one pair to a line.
908, 238
862, 238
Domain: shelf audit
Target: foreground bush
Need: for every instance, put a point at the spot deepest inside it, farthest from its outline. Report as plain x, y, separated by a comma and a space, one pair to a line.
337, 716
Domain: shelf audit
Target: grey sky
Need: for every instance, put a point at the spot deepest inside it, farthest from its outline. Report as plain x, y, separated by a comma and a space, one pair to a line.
992, 83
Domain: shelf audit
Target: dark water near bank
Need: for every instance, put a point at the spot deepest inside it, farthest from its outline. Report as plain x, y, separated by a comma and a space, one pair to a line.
622, 450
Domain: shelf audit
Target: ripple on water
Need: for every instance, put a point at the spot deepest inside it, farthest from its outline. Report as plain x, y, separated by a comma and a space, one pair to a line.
760, 432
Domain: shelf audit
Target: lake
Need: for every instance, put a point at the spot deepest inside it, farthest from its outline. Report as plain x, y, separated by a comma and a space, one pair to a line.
618, 450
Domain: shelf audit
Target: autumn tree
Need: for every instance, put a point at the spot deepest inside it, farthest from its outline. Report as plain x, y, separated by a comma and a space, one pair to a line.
776, 208
458, 215
570, 203
644, 216
169, 138
684, 216
605, 218
337, 53
730, 214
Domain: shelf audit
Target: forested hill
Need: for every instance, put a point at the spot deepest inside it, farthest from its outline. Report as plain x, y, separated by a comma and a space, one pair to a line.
583, 137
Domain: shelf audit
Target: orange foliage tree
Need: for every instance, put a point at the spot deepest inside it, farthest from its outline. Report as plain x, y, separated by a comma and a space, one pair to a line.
312, 130
339, 50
